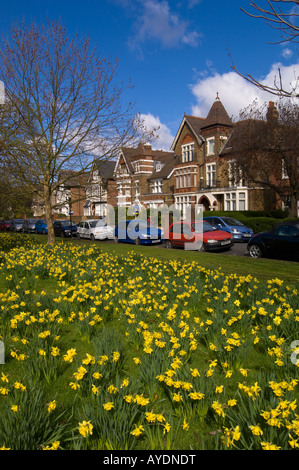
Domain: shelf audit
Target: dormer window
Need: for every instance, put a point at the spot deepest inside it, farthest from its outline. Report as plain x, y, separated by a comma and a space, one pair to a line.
187, 152
158, 166
211, 146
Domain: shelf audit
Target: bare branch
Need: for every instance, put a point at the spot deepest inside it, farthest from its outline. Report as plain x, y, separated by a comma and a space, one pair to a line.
282, 15
278, 17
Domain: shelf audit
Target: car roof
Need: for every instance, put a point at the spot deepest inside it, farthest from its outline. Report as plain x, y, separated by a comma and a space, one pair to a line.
288, 222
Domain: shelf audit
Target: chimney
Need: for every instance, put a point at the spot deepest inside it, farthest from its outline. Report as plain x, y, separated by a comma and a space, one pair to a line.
272, 113
147, 148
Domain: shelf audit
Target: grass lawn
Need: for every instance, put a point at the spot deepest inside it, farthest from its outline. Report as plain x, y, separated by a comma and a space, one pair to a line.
120, 347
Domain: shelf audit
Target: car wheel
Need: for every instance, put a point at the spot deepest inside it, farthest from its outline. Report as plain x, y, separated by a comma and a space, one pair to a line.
115, 239
92, 237
62, 233
137, 241
201, 247
255, 251
168, 244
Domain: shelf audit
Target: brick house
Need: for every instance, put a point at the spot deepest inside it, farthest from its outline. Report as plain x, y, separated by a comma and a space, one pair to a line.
100, 189
203, 170
144, 176
71, 193
198, 169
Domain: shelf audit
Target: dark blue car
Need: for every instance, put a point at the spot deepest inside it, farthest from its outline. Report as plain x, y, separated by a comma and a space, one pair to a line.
239, 231
41, 227
139, 232
282, 241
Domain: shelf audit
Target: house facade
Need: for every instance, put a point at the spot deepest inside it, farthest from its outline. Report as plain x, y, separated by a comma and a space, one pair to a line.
100, 189
204, 170
201, 172
199, 169
70, 194
144, 177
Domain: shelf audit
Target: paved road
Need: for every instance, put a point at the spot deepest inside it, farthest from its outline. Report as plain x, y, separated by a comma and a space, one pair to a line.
239, 249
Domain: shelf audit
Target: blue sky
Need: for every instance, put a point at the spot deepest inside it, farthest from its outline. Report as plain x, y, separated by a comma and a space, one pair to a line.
174, 51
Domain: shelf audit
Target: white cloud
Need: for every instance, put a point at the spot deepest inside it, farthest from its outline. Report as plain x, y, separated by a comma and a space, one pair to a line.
286, 53
235, 92
164, 136
157, 22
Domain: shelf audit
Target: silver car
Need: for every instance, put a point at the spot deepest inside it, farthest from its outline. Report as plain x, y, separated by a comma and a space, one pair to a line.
29, 225
16, 225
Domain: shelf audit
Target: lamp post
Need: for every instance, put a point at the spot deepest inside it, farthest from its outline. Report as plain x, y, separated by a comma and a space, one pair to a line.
70, 214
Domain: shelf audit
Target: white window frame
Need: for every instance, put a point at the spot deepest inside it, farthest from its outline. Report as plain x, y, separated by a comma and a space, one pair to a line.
188, 152
211, 174
210, 141
157, 186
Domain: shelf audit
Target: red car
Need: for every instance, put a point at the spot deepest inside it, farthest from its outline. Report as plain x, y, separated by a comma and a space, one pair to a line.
200, 236
4, 225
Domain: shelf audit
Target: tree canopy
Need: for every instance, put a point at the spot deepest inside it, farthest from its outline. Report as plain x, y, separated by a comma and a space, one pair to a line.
64, 107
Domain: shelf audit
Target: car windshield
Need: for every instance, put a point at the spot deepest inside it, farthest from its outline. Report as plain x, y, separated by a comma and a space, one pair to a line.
18, 221
230, 221
203, 226
65, 223
140, 225
98, 223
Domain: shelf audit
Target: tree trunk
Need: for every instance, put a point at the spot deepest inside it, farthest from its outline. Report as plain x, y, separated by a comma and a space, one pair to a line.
48, 213
293, 211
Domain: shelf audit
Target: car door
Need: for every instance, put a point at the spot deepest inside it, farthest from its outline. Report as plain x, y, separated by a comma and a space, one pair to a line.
86, 229
121, 232
175, 234
286, 241
57, 228
188, 235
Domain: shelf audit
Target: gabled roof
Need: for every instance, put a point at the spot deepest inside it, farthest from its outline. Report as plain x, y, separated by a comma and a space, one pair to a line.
216, 115
195, 125
72, 178
133, 154
167, 162
105, 168
231, 141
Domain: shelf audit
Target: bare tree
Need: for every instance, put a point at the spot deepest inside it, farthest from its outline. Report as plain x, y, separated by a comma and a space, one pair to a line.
64, 107
280, 15
265, 147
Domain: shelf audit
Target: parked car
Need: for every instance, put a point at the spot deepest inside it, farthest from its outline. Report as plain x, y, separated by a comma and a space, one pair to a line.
95, 229
4, 225
238, 230
199, 235
29, 225
282, 241
7, 224
137, 231
64, 228
16, 225
41, 227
